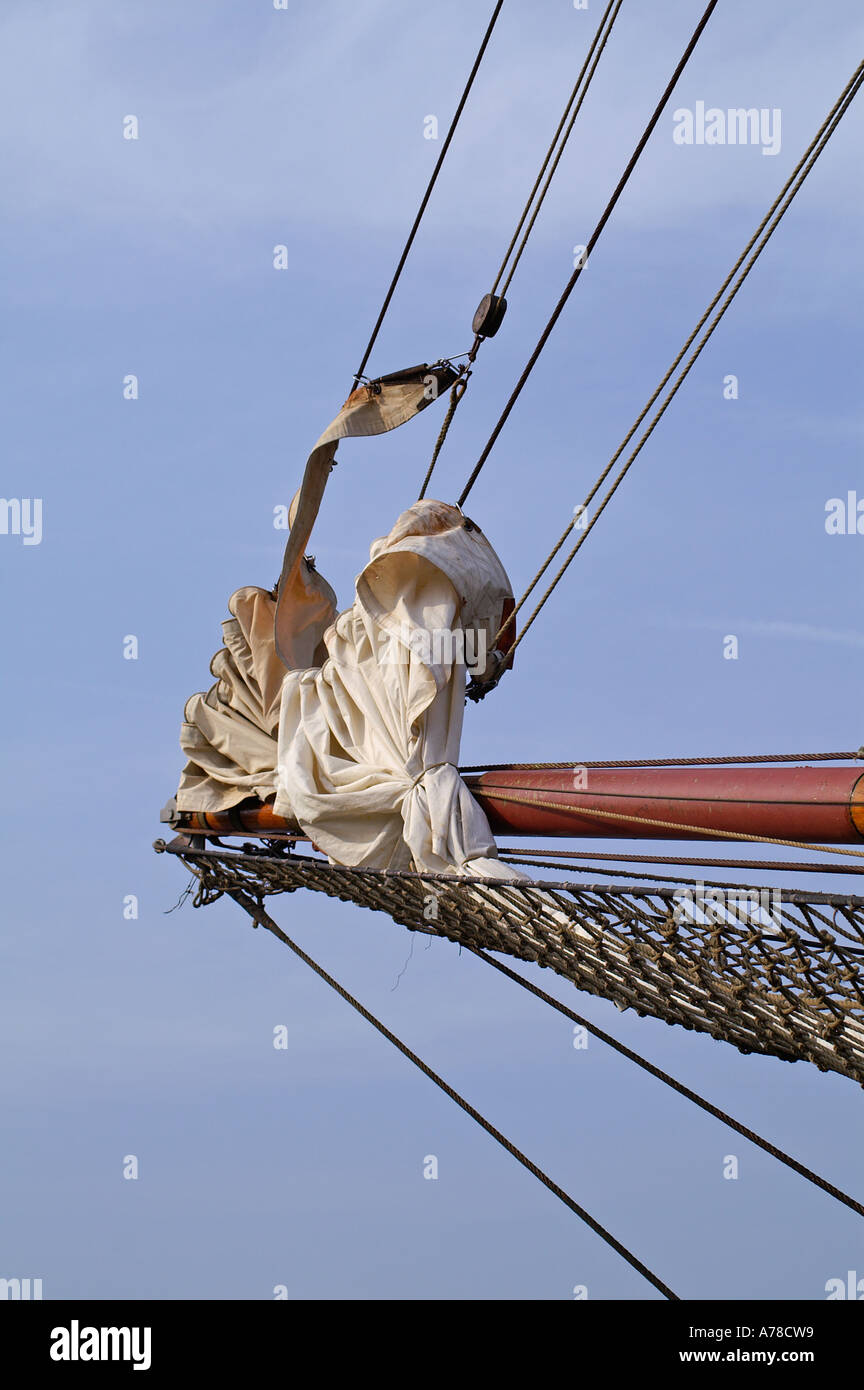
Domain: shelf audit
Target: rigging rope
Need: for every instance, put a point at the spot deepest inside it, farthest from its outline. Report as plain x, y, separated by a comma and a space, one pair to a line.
631, 164
600, 37
784, 865
426, 196
578, 96
678, 1086
257, 913
621, 873
493, 794
767, 226
669, 762
794, 990
455, 397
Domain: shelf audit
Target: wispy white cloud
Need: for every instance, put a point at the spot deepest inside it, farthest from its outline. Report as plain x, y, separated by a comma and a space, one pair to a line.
316, 116
799, 632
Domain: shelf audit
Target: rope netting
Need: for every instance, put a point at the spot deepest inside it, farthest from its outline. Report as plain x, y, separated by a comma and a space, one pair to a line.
772, 971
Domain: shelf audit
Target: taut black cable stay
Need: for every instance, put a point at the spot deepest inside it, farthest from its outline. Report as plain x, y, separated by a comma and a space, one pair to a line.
736, 277
532, 206
427, 195
262, 918
592, 241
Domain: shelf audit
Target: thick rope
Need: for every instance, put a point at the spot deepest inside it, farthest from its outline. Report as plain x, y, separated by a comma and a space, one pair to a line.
578, 97
426, 196
776, 212
257, 913
600, 38
631, 164
621, 873
456, 395
493, 794
774, 865
678, 1086
669, 762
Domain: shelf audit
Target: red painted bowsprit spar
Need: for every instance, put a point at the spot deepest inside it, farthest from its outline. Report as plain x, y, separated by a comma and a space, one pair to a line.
812, 804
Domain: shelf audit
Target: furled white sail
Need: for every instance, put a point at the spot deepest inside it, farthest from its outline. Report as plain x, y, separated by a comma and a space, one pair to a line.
369, 741
354, 722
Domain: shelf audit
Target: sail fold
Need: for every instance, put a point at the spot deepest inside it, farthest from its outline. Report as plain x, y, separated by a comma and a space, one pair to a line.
353, 723
369, 741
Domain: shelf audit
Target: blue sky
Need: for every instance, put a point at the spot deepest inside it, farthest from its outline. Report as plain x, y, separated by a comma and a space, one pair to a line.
153, 1037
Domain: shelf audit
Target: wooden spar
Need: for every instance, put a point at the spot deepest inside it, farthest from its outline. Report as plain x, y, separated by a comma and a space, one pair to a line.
812, 804
246, 819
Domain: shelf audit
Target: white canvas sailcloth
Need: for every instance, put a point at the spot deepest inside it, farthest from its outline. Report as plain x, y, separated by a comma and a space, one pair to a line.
359, 739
